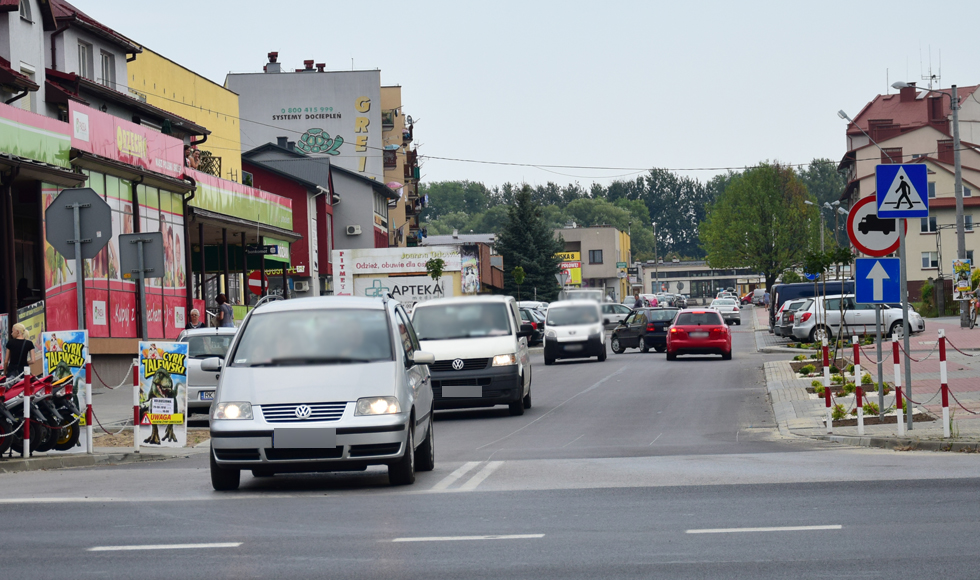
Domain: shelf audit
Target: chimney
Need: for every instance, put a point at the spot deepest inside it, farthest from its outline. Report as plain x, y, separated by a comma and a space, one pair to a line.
273, 66
281, 141
907, 94
320, 66
308, 65
455, 234
291, 145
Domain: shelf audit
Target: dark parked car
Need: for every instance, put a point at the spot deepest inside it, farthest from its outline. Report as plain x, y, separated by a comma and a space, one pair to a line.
646, 328
535, 318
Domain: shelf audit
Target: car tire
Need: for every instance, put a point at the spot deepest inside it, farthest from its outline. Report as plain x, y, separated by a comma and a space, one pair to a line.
548, 360
817, 333
602, 353
671, 355
262, 473
726, 355
516, 408
427, 450
896, 329
616, 346
643, 345
222, 478
402, 472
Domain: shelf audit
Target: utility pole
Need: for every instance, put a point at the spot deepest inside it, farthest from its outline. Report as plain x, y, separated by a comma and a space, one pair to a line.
656, 261
958, 176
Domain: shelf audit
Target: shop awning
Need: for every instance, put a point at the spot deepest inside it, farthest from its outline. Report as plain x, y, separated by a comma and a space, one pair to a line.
31, 169
216, 221
127, 171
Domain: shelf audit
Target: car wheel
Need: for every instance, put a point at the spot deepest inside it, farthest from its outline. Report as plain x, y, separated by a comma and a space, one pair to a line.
643, 345
819, 333
527, 398
262, 473
602, 353
427, 450
671, 355
402, 472
726, 355
222, 478
549, 360
897, 329
616, 346
517, 407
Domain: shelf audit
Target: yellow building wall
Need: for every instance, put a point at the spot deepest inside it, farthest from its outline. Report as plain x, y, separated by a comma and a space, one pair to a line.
625, 288
391, 98
183, 92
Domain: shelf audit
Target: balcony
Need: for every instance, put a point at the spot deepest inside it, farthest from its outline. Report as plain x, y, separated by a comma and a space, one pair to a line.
390, 159
407, 134
209, 164
388, 119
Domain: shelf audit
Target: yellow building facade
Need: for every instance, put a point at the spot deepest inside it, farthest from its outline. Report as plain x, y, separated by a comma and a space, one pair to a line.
170, 86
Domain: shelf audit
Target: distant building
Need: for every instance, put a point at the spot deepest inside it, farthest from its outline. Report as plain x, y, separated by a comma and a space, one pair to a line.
698, 280
601, 250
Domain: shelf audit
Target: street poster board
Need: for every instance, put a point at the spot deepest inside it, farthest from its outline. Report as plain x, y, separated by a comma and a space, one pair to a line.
163, 393
63, 354
962, 272
32, 317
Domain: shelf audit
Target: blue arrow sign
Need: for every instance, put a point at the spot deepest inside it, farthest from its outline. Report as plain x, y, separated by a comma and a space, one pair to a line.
811, 277
902, 190
877, 280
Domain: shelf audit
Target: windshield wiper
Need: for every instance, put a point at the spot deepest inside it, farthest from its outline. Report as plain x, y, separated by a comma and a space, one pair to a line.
310, 360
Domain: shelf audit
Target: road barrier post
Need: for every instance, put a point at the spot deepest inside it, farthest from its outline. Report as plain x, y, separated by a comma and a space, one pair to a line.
88, 404
898, 406
25, 448
857, 383
136, 406
944, 382
826, 385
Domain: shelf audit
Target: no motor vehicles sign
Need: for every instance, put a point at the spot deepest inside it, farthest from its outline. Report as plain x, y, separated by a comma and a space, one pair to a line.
870, 234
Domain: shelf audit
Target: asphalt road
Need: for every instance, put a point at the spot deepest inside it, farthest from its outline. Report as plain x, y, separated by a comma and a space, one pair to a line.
630, 468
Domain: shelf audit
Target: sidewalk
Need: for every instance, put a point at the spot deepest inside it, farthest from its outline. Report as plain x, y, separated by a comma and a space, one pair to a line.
101, 456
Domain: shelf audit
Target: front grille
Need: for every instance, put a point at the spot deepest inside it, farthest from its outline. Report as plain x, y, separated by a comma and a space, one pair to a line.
374, 449
462, 382
469, 364
287, 413
237, 454
293, 454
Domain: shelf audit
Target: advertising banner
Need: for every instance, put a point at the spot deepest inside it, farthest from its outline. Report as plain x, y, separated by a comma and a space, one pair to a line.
32, 317
34, 136
962, 271
470, 269
241, 201
4, 336
63, 355
394, 260
163, 393
408, 290
114, 138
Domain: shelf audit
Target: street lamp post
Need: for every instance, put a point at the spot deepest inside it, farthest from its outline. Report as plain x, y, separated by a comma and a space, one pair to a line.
656, 260
808, 202
954, 104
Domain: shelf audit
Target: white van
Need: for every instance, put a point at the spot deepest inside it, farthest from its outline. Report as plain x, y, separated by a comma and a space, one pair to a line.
481, 352
574, 330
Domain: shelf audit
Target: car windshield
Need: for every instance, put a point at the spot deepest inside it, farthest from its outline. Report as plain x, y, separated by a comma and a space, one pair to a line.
208, 346
698, 318
660, 315
572, 315
464, 320
309, 337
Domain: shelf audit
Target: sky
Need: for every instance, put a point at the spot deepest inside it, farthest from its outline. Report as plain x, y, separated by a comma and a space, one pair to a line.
568, 91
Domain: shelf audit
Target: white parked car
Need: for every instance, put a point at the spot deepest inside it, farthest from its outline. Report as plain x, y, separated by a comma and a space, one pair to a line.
728, 307
574, 330
480, 347
613, 314
820, 317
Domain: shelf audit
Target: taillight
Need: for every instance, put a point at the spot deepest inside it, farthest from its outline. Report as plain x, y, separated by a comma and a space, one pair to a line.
736, 309
791, 318
534, 325
651, 328
806, 316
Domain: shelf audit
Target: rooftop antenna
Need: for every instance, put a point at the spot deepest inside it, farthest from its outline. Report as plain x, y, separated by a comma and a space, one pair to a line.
931, 78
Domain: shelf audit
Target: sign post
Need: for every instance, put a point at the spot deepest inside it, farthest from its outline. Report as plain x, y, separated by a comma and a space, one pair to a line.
90, 232
138, 261
876, 281
902, 192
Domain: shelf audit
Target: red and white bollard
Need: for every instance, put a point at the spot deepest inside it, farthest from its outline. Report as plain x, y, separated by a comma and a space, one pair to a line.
88, 404
943, 382
826, 385
901, 414
857, 383
136, 406
26, 447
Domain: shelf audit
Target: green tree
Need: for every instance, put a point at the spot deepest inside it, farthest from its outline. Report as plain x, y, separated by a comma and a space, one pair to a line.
791, 277
826, 183
760, 222
527, 241
434, 268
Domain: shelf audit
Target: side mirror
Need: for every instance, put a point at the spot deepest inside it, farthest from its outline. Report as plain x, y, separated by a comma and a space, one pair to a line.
526, 330
212, 365
420, 357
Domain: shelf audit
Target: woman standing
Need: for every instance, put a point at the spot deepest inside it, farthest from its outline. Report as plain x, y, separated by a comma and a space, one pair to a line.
20, 351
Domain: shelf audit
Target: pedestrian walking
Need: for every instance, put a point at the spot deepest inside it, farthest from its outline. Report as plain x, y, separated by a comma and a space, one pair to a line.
637, 301
226, 316
765, 299
19, 353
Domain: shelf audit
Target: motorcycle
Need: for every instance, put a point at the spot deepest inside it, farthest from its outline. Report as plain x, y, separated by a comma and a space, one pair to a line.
54, 418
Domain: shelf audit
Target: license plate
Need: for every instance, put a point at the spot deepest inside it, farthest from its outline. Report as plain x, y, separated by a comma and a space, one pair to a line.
699, 335
475, 391
206, 395
573, 347
305, 438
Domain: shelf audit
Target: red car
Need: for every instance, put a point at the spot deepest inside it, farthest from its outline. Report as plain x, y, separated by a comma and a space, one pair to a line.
699, 332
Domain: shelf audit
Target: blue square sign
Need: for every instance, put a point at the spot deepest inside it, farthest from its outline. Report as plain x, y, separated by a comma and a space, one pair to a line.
902, 190
877, 280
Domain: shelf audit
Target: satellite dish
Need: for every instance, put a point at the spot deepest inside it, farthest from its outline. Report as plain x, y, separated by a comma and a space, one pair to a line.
680, 286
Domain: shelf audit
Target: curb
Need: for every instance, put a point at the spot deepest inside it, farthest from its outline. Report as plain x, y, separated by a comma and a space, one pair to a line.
900, 444
17, 465
786, 349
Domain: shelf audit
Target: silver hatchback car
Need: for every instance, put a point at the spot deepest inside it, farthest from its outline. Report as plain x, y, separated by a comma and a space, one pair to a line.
322, 384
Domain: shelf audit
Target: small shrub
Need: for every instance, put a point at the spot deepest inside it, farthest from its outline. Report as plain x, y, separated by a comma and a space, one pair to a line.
870, 408
814, 356
800, 357
816, 383
808, 369
848, 388
836, 379
834, 370
850, 368
818, 388
866, 379
839, 412
905, 406
868, 340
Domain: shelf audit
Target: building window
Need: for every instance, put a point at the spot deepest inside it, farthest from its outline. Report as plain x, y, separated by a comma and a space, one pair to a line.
932, 189
968, 223
381, 206
967, 192
595, 256
85, 60
969, 255
25, 10
27, 102
108, 70
927, 225
930, 260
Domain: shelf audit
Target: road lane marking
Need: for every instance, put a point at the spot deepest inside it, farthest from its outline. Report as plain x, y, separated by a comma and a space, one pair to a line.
654, 440
470, 538
774, 529
452, 477
560, 405
573, 441
480, 476
164, 547
157, 499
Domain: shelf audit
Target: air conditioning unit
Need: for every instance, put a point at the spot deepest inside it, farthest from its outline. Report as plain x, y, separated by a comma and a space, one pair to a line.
353, 230
301, 286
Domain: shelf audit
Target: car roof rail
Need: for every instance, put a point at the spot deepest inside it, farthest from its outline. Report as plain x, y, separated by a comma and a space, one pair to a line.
268, 298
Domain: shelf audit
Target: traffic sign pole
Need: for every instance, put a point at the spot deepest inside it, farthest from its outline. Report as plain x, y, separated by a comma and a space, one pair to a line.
881, 385
905, 315
79, 267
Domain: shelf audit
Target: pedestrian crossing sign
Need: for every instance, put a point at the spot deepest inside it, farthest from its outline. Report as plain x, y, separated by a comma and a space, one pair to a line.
902, 190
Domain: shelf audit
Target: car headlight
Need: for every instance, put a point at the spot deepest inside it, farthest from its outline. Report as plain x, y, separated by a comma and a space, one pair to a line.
378, 406
550, 334
503, 360
232, 410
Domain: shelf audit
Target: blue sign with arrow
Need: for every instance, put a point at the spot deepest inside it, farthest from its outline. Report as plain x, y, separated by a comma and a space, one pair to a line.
902, 190
811, 277
877, 280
